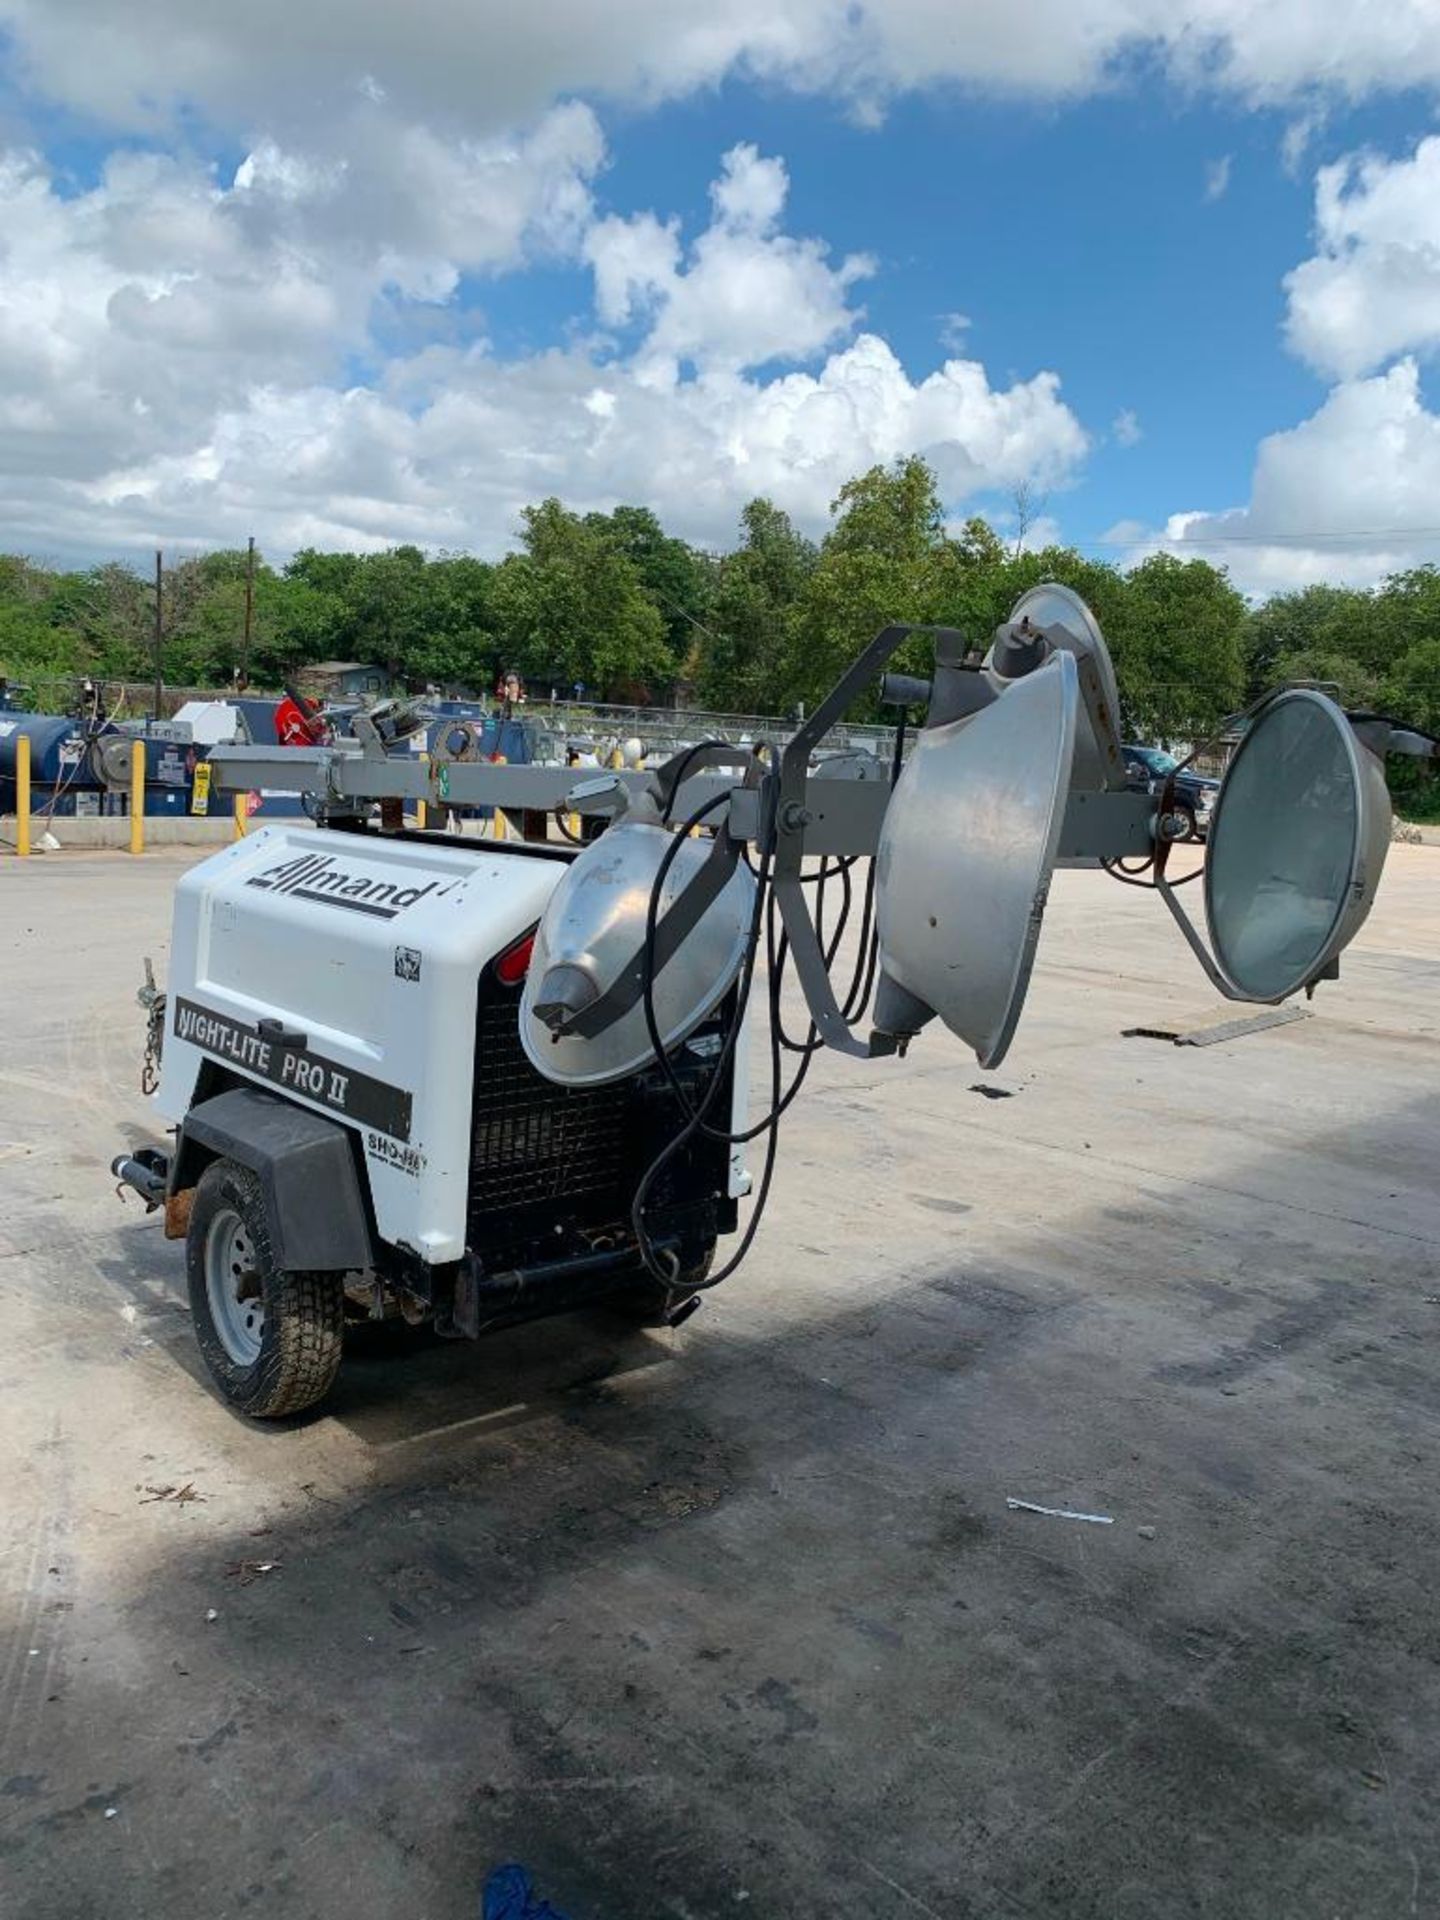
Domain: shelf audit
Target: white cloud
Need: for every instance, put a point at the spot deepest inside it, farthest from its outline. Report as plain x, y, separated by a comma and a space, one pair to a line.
1373, 288
455, 442
1352, 493
170, 356
750, 195
474, 65
634, 262
1347, 496
1217, 177
175, 345
131, 314
1126, 428
1041, 532
1295, 142
747, 294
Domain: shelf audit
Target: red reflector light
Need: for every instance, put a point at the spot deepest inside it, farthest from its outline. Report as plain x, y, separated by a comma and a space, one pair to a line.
514, 963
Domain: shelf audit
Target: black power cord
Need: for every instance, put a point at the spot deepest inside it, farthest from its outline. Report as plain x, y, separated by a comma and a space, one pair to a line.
696, 1116
691, 754
857, 998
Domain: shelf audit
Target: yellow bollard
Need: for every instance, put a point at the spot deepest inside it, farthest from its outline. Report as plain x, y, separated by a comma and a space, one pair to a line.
22, 796
137, 797
421, 811
242, 813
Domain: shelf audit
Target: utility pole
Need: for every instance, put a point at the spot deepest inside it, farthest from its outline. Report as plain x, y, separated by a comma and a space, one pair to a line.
249, 614
159, 629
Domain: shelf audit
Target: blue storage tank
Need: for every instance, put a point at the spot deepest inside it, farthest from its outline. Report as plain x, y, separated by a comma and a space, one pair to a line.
47, 734
66, 777
57, 752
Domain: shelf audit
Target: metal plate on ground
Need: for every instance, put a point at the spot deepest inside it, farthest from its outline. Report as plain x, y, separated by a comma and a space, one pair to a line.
1221, 1030
1237, 1029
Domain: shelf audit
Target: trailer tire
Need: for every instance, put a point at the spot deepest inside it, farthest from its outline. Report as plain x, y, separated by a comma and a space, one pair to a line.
648, 1302
270, 1338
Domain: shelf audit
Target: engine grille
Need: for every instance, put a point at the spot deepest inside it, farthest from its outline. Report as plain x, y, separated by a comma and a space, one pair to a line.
536, 1144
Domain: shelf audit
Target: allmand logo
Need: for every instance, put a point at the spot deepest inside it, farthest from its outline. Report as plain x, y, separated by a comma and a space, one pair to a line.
316, 876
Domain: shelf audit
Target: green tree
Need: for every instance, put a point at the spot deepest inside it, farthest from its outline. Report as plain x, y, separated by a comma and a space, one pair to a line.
677, 578
757, 589
1180, 654
572, 608
422, 620
459, 649
1319, 633
1410, 689
886, 558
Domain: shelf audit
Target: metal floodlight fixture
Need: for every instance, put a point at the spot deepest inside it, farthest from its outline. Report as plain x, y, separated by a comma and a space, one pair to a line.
1016, 767
966, 853
582, 1015
1050, 619
1298, 840
1016, 755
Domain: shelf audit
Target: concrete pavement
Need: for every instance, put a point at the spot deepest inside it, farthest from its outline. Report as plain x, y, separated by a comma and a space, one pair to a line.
736, 1620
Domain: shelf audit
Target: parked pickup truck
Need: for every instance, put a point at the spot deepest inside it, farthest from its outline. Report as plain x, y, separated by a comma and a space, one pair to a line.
1148, 768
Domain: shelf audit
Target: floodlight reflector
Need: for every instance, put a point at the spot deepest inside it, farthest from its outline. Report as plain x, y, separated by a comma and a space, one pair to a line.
1298, 839
582, 1018
966, 853
1049, 607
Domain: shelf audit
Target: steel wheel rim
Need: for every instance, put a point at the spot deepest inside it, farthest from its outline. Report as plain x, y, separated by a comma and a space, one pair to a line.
232, 1288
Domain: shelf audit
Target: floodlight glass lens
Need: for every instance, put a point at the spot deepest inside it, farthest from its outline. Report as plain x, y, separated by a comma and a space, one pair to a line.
1283, 848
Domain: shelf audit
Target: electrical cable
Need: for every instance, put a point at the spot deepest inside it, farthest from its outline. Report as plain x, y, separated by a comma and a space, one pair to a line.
60, 789
1129, 877
764, 901
696, 1115
696, 1119
862, 981
857, 997
778, 952
700, 746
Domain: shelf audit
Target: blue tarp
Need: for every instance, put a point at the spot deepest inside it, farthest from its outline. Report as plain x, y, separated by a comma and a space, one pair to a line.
508, 1895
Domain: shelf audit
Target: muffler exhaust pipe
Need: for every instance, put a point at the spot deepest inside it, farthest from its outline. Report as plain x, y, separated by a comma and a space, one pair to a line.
147, 1172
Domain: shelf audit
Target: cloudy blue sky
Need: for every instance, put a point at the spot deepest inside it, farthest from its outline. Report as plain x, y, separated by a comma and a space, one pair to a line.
344, 273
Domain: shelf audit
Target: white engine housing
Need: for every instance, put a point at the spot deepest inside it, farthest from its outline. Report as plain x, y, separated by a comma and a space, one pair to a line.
367, 951
371, 948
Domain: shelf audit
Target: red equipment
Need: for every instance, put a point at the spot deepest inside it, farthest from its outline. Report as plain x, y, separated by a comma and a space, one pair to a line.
297, 722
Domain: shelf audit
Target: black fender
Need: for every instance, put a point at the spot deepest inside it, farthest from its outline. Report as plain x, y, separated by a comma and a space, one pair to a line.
306, 1168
